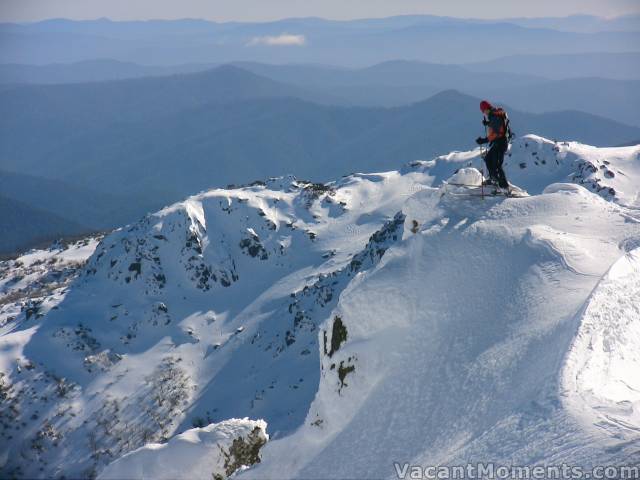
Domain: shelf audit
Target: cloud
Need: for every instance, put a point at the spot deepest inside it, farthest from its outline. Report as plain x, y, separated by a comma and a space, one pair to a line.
284, 40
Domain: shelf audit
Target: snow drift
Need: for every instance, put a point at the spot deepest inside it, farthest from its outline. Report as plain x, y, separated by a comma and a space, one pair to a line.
216, 451
453, 346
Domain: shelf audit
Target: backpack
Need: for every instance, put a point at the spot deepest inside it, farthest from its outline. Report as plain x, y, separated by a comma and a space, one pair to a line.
505, 126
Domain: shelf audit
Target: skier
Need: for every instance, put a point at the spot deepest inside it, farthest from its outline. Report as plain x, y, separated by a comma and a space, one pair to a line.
498, 136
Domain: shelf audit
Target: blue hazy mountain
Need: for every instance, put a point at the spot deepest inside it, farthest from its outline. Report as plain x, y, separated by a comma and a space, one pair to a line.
582, 23
23, 226
131, 99
617, 66
353, 43
34, 210
388, 84
616, 99
396, 73
90, 208
402, 82
88, 71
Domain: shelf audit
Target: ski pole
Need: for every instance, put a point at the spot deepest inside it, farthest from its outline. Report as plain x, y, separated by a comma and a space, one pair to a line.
483, 155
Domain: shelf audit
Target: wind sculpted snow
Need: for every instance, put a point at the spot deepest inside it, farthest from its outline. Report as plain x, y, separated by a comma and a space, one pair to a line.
456, 342
601, 378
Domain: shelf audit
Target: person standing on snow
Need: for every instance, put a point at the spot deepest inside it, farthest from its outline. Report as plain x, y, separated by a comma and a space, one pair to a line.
498, 136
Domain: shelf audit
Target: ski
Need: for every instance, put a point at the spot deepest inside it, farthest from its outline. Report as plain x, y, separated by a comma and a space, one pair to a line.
512, 194
465, 185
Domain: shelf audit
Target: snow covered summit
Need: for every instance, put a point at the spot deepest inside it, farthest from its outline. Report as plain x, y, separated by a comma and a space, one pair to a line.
368, 321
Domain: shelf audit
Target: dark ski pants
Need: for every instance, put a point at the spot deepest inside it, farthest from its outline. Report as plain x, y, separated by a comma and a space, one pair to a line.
494, 159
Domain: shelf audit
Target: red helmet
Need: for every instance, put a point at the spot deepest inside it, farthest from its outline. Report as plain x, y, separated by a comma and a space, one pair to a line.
484, 105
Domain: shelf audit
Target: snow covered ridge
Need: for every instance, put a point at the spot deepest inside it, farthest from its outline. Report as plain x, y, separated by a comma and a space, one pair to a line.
205, 311
305, 305
534, 162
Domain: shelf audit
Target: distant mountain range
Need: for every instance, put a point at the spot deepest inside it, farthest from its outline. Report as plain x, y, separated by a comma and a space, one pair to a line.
616, 66
386, 84
505, 70
402, 82
106, 153
98, 70
615, 99
22, 226
357, 42
114, 125
34, 210
582, 23
96, 211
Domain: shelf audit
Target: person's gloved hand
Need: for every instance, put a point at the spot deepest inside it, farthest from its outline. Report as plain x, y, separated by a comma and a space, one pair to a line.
481, 141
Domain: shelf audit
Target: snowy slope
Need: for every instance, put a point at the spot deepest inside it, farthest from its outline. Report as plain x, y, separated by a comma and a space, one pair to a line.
455, 343
226, 306
205, 311
601, 377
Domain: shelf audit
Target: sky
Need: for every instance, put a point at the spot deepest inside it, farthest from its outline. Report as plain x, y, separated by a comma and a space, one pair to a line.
263, 10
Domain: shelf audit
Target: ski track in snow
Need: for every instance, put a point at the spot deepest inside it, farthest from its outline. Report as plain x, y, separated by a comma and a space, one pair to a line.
474, 329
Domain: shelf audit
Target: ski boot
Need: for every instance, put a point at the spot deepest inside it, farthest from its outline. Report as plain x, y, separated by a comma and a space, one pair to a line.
490, 182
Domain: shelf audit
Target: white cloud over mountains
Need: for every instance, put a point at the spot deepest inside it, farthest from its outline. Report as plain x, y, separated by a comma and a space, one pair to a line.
283, 40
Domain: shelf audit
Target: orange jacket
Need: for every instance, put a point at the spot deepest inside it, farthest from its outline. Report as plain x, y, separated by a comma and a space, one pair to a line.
496, 127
